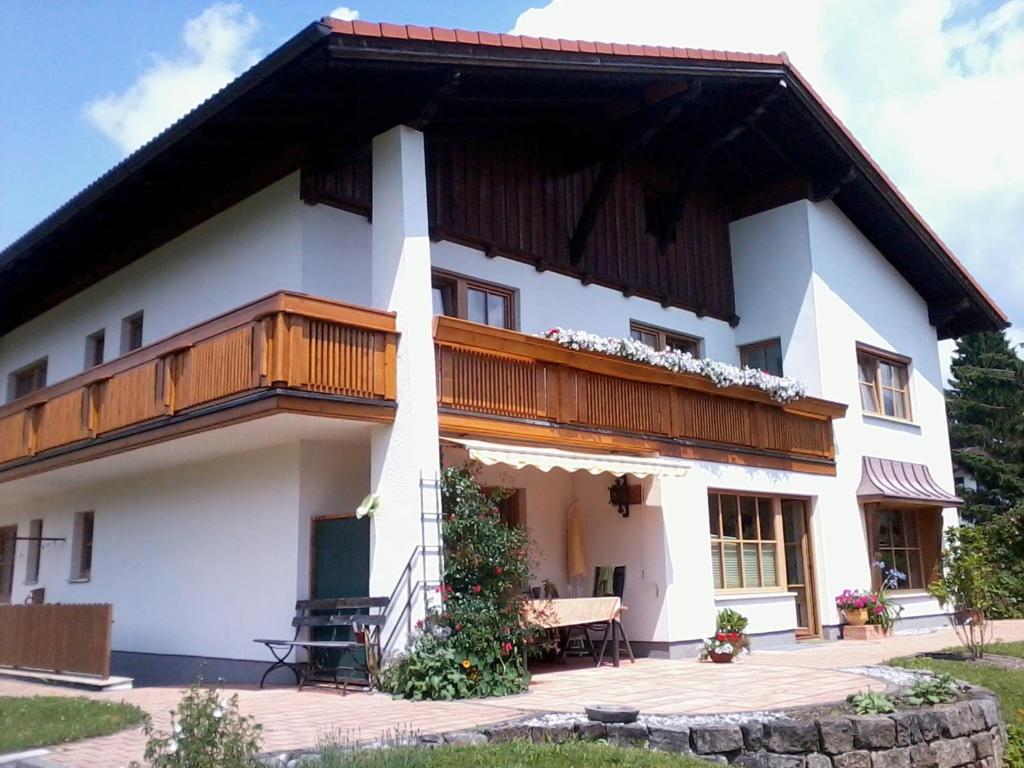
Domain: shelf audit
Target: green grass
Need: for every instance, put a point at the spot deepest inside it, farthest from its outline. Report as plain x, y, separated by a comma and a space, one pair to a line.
1007, 684
42, 721
573, 754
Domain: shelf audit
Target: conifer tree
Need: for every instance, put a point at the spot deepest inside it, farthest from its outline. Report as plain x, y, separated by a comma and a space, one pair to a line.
985, 404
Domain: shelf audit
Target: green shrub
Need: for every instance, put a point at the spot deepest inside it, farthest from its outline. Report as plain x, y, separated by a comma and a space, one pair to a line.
1014, 755
871, 703
206, 732
931, 690
731, 622
969, 587
474, 644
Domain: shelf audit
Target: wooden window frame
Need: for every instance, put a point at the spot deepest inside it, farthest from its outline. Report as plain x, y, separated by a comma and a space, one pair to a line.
779, 541
83, 547
95, 342
460, 285
746, 349
33, 368
664, 335
128, 325
927, 554
901, 364
35, 551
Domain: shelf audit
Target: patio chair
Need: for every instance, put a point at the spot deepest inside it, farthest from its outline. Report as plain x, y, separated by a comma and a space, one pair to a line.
608, 582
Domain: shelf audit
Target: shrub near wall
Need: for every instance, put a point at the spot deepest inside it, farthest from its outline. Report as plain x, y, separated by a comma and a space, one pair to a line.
473, 645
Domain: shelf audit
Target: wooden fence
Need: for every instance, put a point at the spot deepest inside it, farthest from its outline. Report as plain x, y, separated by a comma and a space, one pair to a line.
285, 340
501, 373
56, 638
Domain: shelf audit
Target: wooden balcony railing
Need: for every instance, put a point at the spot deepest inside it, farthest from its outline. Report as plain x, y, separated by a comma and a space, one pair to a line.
285, 340
499, 373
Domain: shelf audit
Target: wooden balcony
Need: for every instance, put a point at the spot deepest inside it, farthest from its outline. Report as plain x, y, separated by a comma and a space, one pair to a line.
498, 383
340, 357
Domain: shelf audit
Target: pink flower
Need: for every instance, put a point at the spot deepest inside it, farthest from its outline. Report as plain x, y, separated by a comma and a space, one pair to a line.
476, 588
499, 570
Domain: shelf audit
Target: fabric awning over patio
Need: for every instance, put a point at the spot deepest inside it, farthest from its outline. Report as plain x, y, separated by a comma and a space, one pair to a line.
890, 480
546, 459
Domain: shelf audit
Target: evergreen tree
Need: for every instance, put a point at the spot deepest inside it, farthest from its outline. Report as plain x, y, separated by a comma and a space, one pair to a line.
985, 404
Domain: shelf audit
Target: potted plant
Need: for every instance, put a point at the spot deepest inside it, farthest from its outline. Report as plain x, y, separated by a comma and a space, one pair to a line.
729, 639
854, 604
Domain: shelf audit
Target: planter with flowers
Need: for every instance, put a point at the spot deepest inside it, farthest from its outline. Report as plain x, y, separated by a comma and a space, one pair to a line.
856, 606
729, 639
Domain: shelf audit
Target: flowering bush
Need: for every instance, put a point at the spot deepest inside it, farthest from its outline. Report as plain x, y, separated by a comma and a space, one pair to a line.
780, 388
206, 731
729, 637
473, 644
855, 600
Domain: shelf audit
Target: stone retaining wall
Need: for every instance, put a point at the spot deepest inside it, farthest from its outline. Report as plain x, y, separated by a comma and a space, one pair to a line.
968, 733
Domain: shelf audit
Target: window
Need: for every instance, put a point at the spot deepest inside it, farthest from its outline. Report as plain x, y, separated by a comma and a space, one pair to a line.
744, 541
94, 344
131, 333
662, 339
764, 355
27, 379
81, 553
479, 302
35, 545
884, 383
907, 540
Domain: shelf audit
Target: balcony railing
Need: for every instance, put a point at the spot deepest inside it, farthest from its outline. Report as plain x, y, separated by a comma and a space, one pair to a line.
535, 382
285, 340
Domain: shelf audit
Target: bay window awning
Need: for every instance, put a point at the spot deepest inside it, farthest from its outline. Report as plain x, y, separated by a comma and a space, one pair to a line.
546, 459
902, 481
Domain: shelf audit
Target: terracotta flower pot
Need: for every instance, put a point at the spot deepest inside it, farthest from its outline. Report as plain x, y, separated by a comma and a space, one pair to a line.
720, 658
856, 617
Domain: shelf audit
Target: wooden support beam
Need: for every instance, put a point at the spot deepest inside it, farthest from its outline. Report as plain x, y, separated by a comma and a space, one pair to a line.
826, 190
643, 128
673, 211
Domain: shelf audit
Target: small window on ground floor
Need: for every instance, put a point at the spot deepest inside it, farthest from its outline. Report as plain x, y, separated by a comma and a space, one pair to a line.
764, 355
907, 541
81, 546
35, 546
659, 338
745, 541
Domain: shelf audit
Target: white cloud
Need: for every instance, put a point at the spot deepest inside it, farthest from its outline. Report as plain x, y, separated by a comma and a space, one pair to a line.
931, 87
217, 47
343, 13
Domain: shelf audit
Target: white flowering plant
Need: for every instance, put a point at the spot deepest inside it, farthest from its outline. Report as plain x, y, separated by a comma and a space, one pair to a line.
779, 388
207, 731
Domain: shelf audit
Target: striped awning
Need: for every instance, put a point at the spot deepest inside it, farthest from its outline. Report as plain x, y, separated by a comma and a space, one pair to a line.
546, 459
891, 480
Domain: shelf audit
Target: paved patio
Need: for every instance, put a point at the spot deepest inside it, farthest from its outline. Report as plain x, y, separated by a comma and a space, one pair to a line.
763, 680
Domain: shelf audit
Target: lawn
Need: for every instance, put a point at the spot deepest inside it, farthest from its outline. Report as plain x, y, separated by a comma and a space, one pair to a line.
41, 721
572, 754
1008, 684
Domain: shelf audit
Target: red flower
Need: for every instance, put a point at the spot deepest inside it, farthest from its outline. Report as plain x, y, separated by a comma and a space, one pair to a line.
499, 570
720, 636
458, 627
507, 647
476, 588
419, 624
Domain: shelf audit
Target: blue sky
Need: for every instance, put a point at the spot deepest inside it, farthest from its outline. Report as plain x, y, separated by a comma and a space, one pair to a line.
930, 87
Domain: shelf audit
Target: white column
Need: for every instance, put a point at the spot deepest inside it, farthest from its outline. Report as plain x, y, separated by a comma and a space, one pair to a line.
404, 463
690, 594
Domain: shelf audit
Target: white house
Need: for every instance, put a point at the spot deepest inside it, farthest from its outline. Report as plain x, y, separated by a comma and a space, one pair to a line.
330, 278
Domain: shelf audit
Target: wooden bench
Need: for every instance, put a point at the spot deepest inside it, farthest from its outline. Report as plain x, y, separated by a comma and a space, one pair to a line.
356, 619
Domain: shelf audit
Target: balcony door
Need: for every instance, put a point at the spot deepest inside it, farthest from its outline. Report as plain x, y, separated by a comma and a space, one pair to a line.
8, 541
800, 565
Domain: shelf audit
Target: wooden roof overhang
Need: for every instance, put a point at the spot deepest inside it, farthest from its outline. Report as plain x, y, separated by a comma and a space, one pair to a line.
749, 124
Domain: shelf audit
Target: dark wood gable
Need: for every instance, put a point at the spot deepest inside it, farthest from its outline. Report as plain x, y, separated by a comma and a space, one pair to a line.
518, 197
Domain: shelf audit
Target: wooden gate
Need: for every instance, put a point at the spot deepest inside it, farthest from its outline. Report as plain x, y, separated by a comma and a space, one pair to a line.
56, 638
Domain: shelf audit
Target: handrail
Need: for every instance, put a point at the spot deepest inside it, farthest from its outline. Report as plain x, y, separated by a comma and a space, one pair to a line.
284, 340
508, 375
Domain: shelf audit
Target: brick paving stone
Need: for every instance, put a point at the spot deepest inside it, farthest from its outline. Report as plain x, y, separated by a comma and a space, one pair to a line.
762, 680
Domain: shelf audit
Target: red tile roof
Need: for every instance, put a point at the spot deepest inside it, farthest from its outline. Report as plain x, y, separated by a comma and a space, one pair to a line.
464, 37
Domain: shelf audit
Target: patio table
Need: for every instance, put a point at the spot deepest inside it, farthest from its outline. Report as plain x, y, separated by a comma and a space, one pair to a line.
568, 612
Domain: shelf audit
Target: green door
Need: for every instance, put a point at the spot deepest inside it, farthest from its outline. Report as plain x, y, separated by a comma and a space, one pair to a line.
341, 568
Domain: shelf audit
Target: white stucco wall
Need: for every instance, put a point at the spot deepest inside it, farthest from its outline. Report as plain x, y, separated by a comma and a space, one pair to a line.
547, 299
269, 242
771, 258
